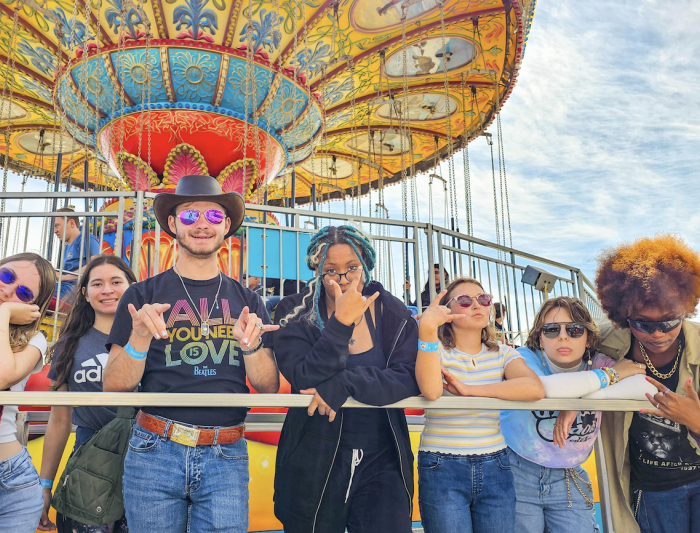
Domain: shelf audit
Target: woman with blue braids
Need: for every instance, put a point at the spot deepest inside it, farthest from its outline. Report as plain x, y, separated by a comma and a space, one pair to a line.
345, 336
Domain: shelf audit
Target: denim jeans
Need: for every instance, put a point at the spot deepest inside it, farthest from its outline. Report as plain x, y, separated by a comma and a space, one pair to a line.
21, 499
177, 488
542, 504
668, 511
466, 493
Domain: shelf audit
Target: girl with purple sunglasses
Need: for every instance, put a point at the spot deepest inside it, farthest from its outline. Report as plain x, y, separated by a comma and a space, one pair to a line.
26, 285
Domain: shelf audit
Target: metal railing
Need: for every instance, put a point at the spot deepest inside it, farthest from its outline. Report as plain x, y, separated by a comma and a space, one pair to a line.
406, 251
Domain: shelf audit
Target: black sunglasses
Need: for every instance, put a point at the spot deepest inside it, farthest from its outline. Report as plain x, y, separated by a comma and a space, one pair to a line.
8, 278
650, 327
573, 330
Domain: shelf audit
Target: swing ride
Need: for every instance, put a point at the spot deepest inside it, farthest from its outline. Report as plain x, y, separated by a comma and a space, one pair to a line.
288, 102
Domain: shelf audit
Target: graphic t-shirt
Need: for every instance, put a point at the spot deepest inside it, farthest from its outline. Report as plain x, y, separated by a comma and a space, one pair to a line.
187, 361
661, 457
89, 362
529, 433
468, 432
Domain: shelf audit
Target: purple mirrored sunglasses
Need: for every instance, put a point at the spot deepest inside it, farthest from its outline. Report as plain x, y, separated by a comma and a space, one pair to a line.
213, 216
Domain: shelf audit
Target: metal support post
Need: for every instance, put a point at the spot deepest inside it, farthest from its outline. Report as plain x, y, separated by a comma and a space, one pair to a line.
57, 181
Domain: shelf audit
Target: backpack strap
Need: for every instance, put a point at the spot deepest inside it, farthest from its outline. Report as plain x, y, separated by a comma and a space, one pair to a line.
126, 412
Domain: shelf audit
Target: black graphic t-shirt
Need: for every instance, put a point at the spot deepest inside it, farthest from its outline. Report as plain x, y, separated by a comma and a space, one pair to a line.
187, 361
661, 457
86, 376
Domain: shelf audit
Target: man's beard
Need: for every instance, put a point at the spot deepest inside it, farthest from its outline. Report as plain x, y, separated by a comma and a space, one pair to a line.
200, 254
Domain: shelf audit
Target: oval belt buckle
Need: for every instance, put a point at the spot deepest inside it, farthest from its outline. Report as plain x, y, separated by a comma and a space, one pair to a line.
185, 435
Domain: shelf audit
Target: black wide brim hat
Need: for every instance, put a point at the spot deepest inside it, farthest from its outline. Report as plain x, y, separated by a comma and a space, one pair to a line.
199, 189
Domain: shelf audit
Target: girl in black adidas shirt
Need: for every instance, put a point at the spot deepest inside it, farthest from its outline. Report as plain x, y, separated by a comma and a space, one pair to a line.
77, 364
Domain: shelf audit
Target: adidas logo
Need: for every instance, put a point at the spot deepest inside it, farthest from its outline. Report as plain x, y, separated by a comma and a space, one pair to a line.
92, 370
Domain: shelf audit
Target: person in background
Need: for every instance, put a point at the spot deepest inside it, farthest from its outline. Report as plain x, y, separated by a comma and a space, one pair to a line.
498, 322
77, 363
68, 231
457, 343
648, 289
345, 336
26, 285
554, 493
425, 295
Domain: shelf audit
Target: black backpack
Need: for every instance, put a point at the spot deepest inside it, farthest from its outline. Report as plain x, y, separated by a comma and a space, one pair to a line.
90, 488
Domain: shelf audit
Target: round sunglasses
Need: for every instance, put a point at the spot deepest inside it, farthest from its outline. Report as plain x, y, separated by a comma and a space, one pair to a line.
8, 278
464, 300
190, 216
573, 330
650, 327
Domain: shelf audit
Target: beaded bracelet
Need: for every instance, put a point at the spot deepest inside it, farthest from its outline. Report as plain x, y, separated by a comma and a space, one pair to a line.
612, 374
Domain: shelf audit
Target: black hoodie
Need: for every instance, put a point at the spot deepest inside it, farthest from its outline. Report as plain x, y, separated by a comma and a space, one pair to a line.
310, 358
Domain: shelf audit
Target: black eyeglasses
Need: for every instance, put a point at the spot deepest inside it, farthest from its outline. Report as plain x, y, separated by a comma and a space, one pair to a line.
573, 330
464, 300
8, 278
337, 276
650, 327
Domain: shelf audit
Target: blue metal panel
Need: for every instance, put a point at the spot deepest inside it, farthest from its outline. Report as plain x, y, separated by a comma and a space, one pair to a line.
92, 80
288, 104
77, 111
236, 90
194, 74
256, 241
130, 68
303, 131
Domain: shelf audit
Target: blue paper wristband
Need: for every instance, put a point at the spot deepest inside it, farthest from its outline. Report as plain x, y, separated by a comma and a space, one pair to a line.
427, 346
133, 353
47, 483
602, 376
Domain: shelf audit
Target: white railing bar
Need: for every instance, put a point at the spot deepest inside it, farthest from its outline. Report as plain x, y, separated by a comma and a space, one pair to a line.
154, 399
64, 194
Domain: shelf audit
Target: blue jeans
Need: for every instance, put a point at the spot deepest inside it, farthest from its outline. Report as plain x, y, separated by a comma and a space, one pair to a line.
543, 499
21, 499
668, 511
177, 488
466, 493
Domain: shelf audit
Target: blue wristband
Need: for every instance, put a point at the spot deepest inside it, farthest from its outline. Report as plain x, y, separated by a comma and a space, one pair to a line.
133, 353
427, 346
47, 483
602, 376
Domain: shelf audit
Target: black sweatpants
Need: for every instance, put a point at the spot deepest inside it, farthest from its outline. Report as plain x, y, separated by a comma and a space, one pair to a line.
377, 501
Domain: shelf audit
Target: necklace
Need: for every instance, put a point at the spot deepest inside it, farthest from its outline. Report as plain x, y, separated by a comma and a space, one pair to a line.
352, 339
205, 323
651, 367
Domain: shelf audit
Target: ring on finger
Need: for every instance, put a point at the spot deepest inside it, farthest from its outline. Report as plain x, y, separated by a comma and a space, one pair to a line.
657, 405
667, 391
259, 325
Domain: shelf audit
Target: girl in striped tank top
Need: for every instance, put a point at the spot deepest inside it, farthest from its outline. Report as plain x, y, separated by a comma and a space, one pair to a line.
465, 482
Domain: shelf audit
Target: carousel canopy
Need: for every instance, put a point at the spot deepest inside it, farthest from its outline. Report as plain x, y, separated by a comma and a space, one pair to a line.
346, 94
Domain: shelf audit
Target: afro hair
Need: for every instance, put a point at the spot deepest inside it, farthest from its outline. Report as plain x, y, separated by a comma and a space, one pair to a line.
661, 271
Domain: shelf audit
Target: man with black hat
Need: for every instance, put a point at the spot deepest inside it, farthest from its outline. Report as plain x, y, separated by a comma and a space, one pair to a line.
187, 467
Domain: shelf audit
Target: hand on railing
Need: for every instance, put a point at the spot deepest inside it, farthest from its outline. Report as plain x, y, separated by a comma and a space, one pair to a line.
320, 404
627, 368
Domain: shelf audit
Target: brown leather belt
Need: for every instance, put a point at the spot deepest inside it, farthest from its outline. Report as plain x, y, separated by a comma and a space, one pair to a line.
188, 435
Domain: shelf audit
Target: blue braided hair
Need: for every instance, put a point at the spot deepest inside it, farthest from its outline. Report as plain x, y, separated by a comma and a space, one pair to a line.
316, 254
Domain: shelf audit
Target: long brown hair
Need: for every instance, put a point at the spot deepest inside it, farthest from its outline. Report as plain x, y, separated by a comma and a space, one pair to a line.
578, 313
81, 318
446, 332
21, 335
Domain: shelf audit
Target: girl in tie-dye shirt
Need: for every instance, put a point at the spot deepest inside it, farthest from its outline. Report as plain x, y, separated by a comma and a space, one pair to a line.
553, 491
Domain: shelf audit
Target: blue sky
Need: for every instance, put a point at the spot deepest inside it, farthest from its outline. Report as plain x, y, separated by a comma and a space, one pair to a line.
601, 133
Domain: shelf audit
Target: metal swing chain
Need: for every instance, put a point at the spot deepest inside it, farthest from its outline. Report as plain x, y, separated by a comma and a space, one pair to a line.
467, 174
9, 71
448, 123
247, 93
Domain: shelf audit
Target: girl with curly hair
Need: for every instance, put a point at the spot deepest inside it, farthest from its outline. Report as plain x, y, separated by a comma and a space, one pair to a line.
344, 336
648, 289
465, 482
553, 491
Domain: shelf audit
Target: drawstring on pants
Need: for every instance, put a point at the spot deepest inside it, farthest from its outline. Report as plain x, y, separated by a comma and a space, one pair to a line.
357, 456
